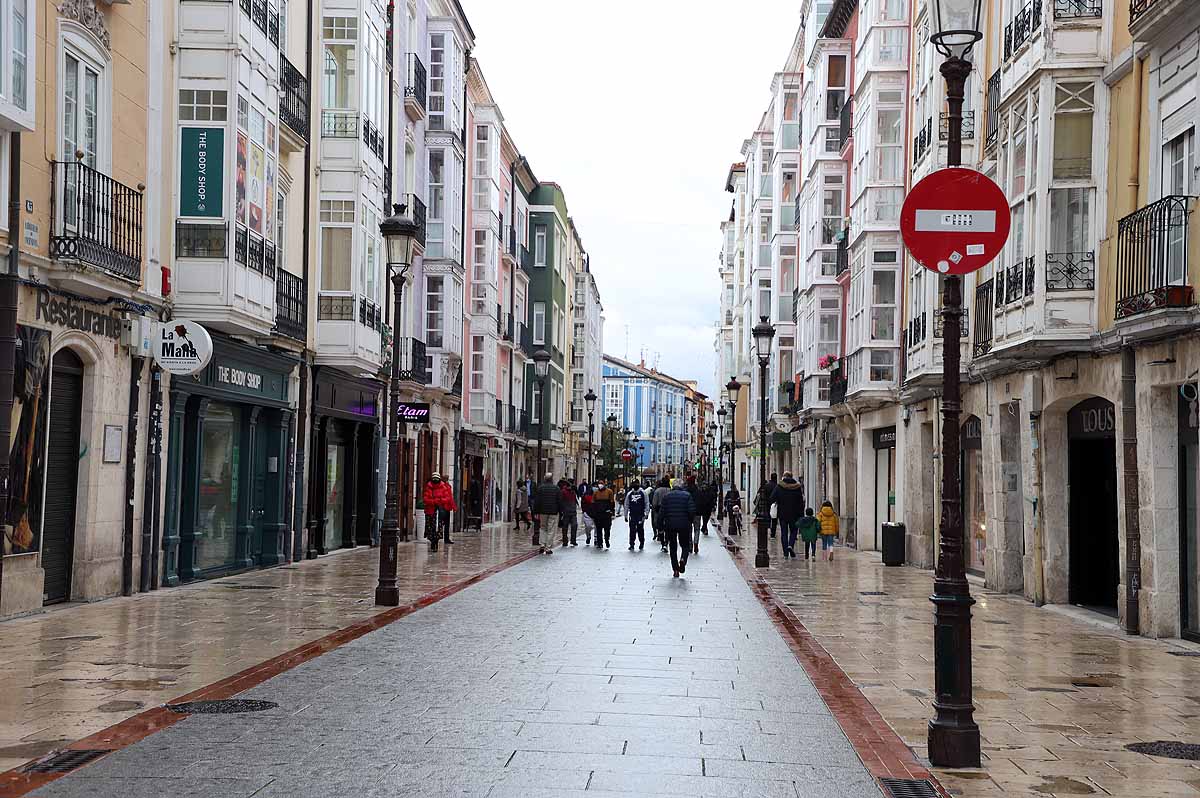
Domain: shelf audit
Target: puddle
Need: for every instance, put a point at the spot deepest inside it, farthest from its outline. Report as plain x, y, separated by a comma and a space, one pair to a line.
120, 706
32, 750
1061, 785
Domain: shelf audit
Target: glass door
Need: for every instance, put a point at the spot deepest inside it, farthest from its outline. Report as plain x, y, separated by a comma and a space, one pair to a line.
335, 496
1179, 159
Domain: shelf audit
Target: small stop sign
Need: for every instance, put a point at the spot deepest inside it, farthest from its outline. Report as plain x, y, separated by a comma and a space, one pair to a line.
955, 221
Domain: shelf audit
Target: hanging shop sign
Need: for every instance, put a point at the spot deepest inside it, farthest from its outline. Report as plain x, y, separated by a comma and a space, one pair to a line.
884, 437
75, 315
202, 172
184, 347
413, 412
1092, 418
955, 221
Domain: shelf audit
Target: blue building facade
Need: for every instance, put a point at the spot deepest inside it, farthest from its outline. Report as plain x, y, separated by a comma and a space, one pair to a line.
654, 407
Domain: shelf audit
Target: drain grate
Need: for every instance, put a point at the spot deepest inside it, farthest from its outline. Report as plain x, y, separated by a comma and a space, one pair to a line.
232, 706
909, 788
1172, 749
1184, 653
64, 761
871, 593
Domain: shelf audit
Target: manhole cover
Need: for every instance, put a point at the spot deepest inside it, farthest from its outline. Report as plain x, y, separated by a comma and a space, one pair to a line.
249, 587
871, 593
232, 706
909, 788
1184, 653
1172, 749
64, 761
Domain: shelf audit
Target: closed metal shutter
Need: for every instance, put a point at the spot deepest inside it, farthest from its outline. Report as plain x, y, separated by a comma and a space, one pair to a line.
62, 469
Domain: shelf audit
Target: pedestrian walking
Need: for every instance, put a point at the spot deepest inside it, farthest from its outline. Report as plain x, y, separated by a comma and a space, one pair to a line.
733, 509
810, 530
656, 497
568, 515
788, 500
708, 498
829, 528
678, 511
545, 507
603, 505
586, 496
620, 502
764, 501
635, 515
438, 499
694, 491
521, 505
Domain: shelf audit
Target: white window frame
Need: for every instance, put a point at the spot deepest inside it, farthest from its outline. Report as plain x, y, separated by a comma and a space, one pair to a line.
84, 47
539, 323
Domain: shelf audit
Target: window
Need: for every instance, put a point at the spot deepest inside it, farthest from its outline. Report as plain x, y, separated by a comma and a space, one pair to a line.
883, 305
828, 263
883, 365
476, 362
1073, 110
1179, 159
889, 145
891, 45
436, 213
20, 54
1016, 172
535, 414
479, 256
437, 81
835, 95
435, 311
764, 298
1070, 213
539, 245
202, 105
280, 227
887, 204
337, 244
339, 65
831, 209
483, 170
827, 332
833, 139
539, 323
892, 10
81, 107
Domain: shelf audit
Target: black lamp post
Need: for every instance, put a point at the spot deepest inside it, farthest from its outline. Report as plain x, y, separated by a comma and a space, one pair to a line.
613, 425
732, 388
721, 413
953, 734
590, 398
399, 233
763, 332
541, 369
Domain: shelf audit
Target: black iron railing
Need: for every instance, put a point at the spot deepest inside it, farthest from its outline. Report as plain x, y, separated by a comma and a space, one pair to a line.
369, 314
916, 329
1152, 264
245, 4
795, 309
1021, 28
414, 365
269, 259
196, 240
1078, 9
97, 220
1014, 281
294, 98
373, 139
837, 388
993, 109
1070, 271
525, 337
241, 243
843, 252
968, 126
983, 318
291, 304
1138, 9
508, 327
258, 14
511, 239
335, 307
526, 258
339, 124
417, 83
255, 253
847, 125
273, 26
923, 140
416, 208
939, 323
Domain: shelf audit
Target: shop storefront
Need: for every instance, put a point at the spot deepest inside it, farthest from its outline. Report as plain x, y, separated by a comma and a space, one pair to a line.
227, 464
345, 474
474, 480
883, 440
971, 479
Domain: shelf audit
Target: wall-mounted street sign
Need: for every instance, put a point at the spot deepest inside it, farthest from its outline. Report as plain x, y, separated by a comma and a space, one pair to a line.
183, 347
955, 221
413, 412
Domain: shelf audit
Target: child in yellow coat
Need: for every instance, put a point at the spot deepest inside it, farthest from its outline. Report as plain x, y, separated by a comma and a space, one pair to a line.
829, 529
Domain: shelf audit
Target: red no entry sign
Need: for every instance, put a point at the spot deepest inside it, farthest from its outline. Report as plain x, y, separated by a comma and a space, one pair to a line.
626, 454
955, 221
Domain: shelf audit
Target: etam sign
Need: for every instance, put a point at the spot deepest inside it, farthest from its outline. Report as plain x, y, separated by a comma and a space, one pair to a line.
413, 412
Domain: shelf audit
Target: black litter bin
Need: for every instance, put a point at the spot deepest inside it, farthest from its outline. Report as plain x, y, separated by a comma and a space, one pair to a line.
893, 543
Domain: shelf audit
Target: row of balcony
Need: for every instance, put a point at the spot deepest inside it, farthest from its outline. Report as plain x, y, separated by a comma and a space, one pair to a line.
922, 141
1021, 28
264, 17
846, 131
293, 98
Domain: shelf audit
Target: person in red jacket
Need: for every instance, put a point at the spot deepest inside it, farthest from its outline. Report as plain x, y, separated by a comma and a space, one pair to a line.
439, 503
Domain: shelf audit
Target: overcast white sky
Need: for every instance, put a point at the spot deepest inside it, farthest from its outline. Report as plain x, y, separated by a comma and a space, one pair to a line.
637, 108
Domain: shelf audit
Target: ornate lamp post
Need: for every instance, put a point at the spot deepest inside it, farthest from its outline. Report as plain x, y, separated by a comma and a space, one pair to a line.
721, 413
541, 369
399, 234
763, 332
732, 388
590, 399
613, 425
953, 734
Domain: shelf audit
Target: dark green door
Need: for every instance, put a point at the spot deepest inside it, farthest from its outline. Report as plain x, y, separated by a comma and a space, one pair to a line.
258, 489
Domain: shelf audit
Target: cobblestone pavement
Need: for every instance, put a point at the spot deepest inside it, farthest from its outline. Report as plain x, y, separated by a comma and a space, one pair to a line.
580, 673
78, 669
1059, 695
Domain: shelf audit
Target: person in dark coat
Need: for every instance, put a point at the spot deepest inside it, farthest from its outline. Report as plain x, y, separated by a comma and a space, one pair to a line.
788, 498
545, 507
693, 489
678, 511
636, 504
568, 515
708, 503
764, 495
603, 504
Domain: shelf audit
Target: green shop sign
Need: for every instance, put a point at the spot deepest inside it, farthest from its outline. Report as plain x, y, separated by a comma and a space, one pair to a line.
202, 172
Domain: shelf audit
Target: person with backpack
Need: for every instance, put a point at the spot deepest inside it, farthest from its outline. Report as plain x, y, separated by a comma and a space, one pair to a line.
568, 515
603, 504
635, 515
545, 507
678, 511
788, 499
829, 528
810, 530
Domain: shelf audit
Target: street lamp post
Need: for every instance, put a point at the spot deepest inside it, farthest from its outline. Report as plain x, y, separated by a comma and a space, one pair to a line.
541, 369
953, 735
732, 388
721, 413
613, 425
763, 332
590, 398
399, 233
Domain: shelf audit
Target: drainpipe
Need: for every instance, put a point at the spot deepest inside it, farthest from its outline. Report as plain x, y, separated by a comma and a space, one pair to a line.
1129, 454
459, 432
8, 324
300, 511
146, 581
512, 306
131, 422
1134, 184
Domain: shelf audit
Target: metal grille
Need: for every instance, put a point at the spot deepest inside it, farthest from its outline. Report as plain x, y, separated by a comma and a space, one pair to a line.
983, 320
909, 788
1070, 271
335, 308
1070, 9
339, 124
64, 761
1152, 259
968, 126
293, 98
97, 220
231, 706
1172, 749
871, 593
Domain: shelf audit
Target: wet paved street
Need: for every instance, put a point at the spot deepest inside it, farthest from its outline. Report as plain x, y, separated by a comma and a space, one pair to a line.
584, 672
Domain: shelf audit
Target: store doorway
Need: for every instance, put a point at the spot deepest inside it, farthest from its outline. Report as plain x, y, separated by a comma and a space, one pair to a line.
1092, 498
971, 478
1189, 536
62, 471
884, 441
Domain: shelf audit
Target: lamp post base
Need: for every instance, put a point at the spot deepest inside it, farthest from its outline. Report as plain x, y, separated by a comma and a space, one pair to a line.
387, 596
954, 745
762, 559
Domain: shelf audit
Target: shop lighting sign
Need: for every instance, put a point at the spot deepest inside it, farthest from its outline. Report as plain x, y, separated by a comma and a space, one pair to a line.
183, 347
413, 412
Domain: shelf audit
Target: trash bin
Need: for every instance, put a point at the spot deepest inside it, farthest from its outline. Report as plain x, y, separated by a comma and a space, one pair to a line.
893, 543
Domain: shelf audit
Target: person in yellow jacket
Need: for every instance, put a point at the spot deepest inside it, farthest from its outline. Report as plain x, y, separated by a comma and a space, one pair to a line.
829, 529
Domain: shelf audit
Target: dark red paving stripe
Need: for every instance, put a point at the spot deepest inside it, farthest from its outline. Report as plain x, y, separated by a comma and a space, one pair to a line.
131, 730
875, 741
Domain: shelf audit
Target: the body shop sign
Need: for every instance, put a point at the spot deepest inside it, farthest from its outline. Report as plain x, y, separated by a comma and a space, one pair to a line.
202, 172
182, 347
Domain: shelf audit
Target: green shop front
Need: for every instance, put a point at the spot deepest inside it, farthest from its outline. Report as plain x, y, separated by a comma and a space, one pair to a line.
227, 464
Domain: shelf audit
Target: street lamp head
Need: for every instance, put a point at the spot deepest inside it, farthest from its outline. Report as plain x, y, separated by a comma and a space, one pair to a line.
612, 423
399, 233
763, 332
956, 27
731, 389
590, 398
541, 364
722, 412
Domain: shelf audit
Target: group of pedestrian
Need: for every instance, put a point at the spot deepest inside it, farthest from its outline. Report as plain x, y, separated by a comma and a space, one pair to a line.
794, 519
568, 502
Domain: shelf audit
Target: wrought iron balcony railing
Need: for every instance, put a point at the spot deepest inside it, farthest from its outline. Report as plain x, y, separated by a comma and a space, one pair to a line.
241, 243
291, 305
923, 140
416, 208
97, 220
847, 125
369, 314
916, 329
1021, 28
373, 139
196, 240
339, 124
968, 126
1070, 271
1152, 262
294, 98
335, 307
273, 26
843, 252
939, 324
258, 14
255, 253
1078, 9
837, 388
983, 318
1138, 9
993, 109
416, 85
414, 364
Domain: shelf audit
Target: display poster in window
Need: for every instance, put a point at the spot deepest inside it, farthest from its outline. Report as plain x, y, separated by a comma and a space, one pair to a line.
269, 199
31, 385
258, 180
243, 147
202, 172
